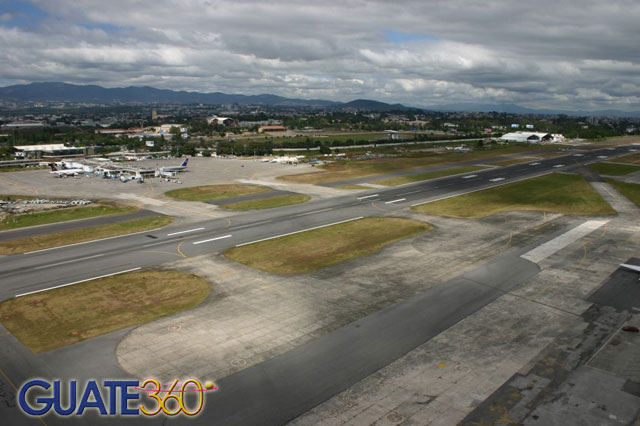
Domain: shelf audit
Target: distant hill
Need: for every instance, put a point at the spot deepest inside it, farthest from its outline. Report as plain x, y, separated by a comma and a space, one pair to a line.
369, 105
63, 92
517, 109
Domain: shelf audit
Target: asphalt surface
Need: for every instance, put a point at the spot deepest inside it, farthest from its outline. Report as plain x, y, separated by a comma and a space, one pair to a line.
279, 389
621, 291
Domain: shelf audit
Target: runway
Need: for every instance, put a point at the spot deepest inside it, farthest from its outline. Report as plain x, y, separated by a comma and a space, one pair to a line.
52, 267
286, 386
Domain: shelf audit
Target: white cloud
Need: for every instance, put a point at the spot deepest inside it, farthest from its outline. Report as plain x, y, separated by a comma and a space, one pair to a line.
541, 54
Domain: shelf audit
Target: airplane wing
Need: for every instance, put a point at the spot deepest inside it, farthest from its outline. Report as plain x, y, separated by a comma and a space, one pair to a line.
631, 267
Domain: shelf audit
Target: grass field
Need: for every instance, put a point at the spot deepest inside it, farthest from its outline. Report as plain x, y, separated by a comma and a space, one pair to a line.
13, 197
307, 251
215, 192
400, 180
614, 169
66, 315
629, 190
629, 159
21, 169
39, 242
512, 161
62, 215
354, 187
559, 193
268, 203
344, 170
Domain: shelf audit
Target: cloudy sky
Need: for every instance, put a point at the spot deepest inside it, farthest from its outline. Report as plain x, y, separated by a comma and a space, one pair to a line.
563, 54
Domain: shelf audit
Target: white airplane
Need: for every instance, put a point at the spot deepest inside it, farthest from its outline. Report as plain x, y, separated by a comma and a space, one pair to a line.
65, 172
631, 267
460, 148
179, 168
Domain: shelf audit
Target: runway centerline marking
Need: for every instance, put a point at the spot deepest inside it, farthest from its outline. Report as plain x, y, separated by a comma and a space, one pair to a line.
297, 232
469, 176
78, 282
395, 201
498, 179
411, 192
558, 165
534, 164
184, 232
212, 239
368, 196
251, 224
69, 261
314, 212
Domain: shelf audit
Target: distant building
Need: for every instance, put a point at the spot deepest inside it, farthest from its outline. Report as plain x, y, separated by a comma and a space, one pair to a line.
38, 151
154, 114
528, 137
393, 135
27, 124
263, 129
529, 126
515, 126
222, 121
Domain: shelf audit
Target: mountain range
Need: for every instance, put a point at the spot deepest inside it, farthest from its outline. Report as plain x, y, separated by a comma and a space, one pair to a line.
517, 109
64, 92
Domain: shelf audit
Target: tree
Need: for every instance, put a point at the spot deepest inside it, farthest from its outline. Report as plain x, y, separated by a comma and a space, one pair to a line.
325, 149
189, 149
206, 153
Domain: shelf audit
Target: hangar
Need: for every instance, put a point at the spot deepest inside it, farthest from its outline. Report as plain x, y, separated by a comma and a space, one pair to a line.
529, 137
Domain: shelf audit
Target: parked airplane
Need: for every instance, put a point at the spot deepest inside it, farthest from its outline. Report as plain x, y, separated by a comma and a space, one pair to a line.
460, 148
179, 168
631, 267
65, 172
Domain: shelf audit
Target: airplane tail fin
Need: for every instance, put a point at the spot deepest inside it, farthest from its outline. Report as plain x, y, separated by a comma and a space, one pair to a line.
53, 167
184, 163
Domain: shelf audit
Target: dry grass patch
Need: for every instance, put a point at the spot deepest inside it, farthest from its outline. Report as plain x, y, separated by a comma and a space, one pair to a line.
62, 215
614, 169
560, 193
66, 315
215, 192
310, 250
629, 159
353, 187
268, 203
39, 242
629, 190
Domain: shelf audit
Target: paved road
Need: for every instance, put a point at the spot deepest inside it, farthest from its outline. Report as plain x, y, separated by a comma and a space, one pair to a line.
45, 269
